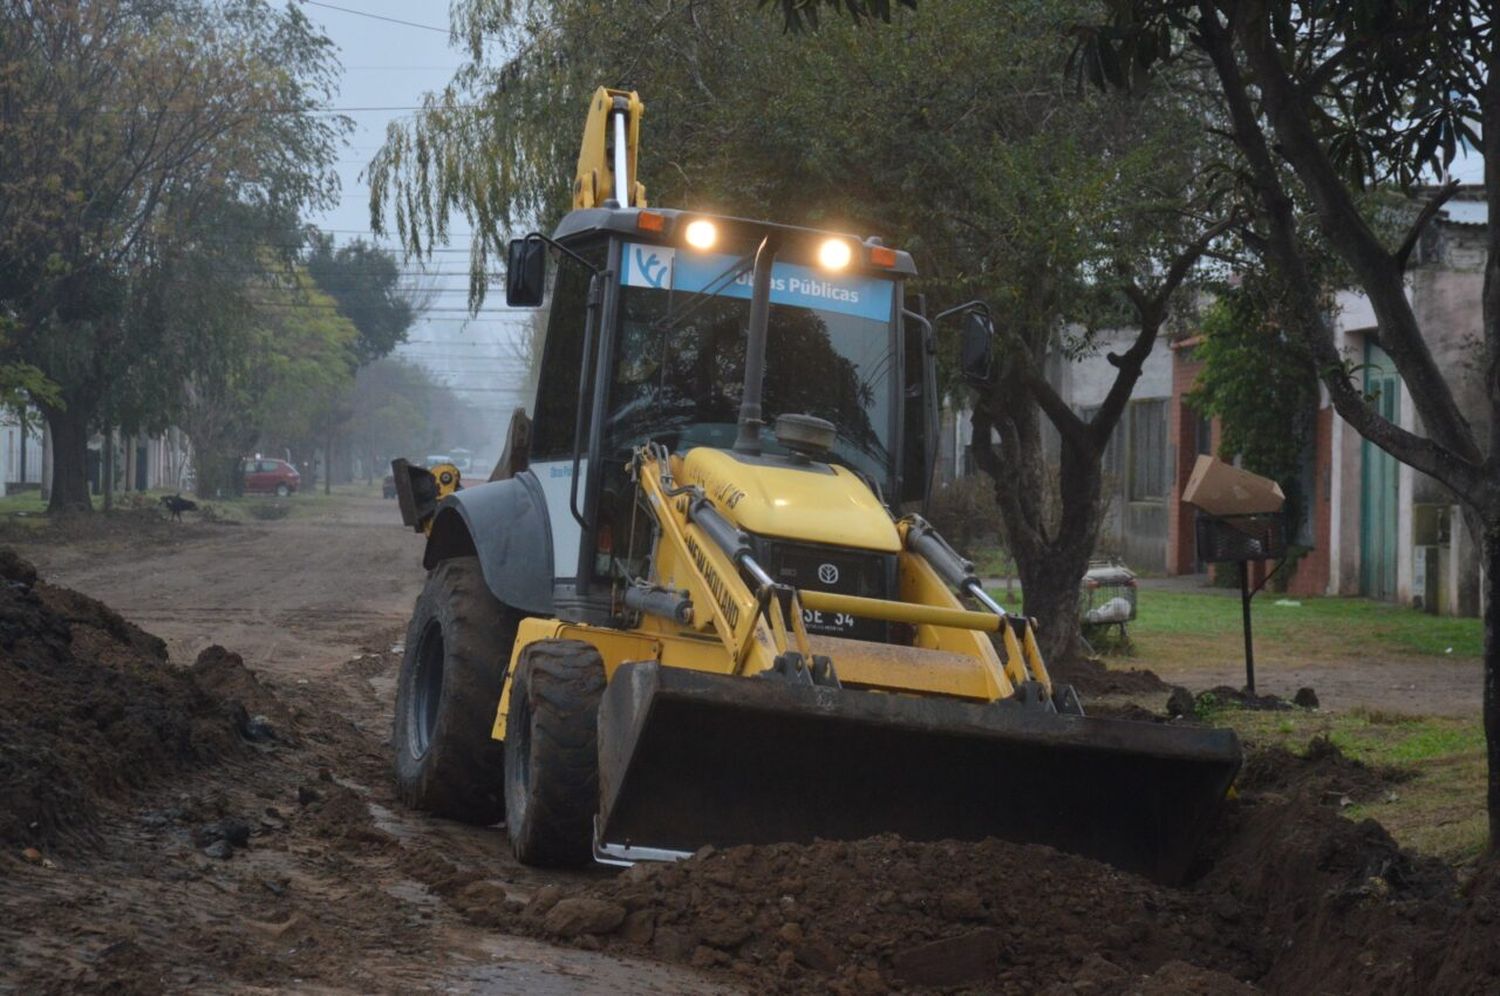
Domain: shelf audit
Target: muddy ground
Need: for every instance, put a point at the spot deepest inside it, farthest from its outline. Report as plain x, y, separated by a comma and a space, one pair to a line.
182, 818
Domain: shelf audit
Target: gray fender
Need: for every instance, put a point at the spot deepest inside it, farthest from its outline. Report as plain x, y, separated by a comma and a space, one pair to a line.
503, 523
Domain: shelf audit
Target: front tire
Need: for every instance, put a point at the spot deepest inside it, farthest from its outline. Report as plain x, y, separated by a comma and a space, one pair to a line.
552, 753
457, 651
282, 491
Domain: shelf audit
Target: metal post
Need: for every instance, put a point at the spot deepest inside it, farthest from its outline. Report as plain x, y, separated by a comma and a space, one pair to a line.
1245, 608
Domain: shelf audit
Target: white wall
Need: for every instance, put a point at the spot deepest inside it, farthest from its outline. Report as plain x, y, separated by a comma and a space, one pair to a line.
10, 450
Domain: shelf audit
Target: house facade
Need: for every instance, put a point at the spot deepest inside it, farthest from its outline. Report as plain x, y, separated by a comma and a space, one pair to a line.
1373, 526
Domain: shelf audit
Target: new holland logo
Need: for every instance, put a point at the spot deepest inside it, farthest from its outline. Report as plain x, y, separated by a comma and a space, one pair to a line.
828, 573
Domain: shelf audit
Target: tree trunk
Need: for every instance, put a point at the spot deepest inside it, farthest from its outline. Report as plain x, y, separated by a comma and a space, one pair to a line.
1492, 682
46, 460
107, 471
1051, 546
70, 454
1049, 586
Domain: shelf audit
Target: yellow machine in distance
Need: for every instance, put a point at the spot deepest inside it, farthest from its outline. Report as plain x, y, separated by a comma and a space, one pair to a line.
688, 608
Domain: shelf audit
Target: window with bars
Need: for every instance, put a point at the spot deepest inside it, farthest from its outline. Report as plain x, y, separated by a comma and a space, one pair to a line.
1113, 457
1149, 461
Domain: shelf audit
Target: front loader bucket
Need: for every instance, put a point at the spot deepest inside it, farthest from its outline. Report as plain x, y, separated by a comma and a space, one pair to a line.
688, 759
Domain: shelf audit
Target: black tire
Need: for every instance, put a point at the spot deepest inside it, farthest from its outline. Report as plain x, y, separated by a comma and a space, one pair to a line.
457, 650
552, 753
282, 491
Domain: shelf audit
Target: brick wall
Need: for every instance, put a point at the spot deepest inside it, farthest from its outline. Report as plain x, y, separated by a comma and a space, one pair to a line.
1312, 573
1182, 429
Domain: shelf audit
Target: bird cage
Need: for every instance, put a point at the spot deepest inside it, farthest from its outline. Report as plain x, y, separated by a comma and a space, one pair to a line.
1228, 539
1107, 597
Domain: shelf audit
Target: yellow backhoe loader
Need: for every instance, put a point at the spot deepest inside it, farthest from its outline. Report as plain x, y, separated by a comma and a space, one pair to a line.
686, 608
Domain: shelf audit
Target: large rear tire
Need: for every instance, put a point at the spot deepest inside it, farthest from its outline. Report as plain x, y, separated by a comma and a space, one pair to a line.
552, 753
457, 651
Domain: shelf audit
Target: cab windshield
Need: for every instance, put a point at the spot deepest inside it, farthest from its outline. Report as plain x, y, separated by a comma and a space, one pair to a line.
830, 352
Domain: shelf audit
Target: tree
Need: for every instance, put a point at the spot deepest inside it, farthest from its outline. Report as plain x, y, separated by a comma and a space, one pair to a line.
122, 126
956, 138
1322, 102
400, 410
279, 362
366, 284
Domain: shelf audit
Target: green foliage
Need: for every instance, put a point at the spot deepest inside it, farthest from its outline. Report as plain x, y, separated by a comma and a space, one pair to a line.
993, 172
130, 131
1263, 387
804, 14
365, 282
305, 361
280, 366
1393, 89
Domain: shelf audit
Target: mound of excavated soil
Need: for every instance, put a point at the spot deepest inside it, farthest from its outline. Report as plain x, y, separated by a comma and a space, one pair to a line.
92, 709
1292, 898
1092, 677
1323, 774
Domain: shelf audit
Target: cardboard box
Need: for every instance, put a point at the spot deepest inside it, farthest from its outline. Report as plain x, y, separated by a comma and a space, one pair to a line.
1219, 488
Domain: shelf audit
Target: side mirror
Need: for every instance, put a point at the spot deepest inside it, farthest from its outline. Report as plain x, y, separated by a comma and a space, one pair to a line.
976, 353
526, 273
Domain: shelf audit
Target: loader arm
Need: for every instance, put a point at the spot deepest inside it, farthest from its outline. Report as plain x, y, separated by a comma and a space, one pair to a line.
759, 620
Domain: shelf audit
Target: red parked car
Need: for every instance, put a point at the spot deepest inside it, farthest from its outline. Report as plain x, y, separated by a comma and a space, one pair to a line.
266, 477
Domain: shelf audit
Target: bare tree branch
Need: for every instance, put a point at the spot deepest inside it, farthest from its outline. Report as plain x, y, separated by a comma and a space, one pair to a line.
1424, 217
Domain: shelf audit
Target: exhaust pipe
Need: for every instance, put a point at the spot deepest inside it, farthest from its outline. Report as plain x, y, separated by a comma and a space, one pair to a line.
748, 439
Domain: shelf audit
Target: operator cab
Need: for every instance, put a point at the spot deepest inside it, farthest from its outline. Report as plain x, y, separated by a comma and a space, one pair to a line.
661, 300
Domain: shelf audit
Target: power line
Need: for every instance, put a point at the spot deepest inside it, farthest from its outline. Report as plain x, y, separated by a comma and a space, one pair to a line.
375, 17
292, 306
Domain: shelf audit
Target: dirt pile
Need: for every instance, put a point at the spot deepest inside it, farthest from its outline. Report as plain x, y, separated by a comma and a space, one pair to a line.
1290, 895
1321, 775
95, 710
1092, 677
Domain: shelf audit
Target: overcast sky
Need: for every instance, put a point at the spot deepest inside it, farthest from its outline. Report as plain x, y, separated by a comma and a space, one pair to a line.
387, 68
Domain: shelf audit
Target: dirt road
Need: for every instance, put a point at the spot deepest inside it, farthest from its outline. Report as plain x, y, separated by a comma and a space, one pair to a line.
293, 597
328, 898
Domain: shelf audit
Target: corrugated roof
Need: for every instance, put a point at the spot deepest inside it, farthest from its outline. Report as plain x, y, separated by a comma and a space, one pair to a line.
1466, 212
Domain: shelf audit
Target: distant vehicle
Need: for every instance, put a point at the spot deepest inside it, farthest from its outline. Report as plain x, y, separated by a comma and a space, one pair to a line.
461, 458
433, 459
270, 477
388, 486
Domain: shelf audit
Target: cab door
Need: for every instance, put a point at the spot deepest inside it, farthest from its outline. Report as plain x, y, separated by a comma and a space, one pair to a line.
919, 409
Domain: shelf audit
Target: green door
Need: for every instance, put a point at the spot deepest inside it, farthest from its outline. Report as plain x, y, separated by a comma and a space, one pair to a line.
1378, 483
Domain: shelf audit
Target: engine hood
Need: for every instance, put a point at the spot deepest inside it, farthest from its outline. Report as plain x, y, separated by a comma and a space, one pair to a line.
811, 503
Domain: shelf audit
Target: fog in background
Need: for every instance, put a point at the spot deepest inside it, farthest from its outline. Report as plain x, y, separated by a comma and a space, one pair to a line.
387, 67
